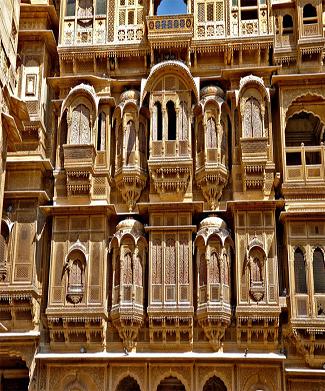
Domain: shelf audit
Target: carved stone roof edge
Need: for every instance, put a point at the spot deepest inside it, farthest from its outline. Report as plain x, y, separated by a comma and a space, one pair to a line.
64, 210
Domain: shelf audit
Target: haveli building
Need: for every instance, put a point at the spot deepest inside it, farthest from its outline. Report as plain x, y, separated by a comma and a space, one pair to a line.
162, 190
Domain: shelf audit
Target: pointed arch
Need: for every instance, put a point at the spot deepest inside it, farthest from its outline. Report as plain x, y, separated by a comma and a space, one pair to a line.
319, 270
300, 271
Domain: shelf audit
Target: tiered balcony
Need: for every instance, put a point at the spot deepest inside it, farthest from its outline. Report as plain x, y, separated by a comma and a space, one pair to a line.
79, 163
170, 167
304, 169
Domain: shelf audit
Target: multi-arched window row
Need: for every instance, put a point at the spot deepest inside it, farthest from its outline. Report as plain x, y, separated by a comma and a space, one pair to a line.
301, 271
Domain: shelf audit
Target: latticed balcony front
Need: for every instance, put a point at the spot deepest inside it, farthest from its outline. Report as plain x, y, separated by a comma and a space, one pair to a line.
170, 27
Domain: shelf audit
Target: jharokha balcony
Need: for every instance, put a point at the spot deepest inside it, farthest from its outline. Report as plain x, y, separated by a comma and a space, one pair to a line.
170, 27
305, 167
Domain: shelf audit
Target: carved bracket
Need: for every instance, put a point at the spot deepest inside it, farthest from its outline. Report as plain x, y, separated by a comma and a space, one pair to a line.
171, 180
128, 328
212, 186
214, 329
131, 186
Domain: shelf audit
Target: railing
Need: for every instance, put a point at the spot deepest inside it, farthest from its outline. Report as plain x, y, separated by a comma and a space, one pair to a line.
79, 155
305, 164
93, 32
310, 29
210, 29
249, 27
130, 33
169, 149
166, 26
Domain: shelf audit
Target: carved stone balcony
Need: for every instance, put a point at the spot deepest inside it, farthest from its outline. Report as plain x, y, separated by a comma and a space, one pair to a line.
211, 176
79, 160
163, 29
170, 168
304, 171
256, 174
306, 329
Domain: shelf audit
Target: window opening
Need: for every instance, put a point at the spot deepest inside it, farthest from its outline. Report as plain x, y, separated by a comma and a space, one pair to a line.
287, 25
319, 271
309, 14
71, 8
171, 120
300, 272
101, 7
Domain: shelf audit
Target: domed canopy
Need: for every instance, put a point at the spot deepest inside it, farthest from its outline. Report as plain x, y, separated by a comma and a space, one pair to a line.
213, 222
128, 227
174, 67
213, 225
212, 91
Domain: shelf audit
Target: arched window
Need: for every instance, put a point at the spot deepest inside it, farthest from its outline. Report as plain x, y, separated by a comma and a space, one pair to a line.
4, 239
226, 266
183, 123
309, 14
214, 269
200, 137
214, 384
101, 136
80, 128
128, 384
117, 273
211, 133
170, 261
171, 383
249, 9
171, 112
75, 268
300, 272
127, 269
85, 9
130, 141
319, 271
137, 267
252, 124
157, 122
287, 25
202, 271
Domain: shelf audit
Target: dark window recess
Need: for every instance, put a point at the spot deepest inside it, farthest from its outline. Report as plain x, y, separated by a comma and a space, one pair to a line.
248, 14
71, 8
309, 14
248, 3
159, 121
287, 24
300, 272
101, 7
171, 120
319, 271
313, 158
293, 159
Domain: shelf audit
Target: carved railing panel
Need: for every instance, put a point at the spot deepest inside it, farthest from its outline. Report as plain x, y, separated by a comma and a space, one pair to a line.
162, 27
310, 166
211, 29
